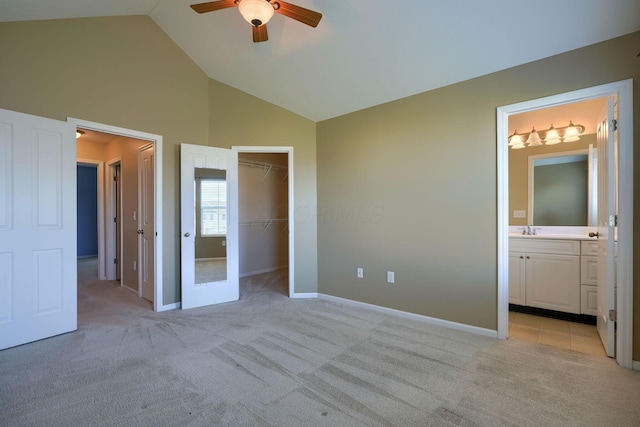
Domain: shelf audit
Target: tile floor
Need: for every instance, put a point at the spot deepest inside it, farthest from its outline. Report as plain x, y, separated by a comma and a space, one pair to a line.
557, 333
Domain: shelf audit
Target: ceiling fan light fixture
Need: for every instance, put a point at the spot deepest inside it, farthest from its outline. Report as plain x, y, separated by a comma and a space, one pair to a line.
256, 12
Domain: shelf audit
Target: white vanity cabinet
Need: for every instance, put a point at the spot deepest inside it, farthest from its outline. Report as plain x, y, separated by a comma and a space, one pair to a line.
545, 273
589, 277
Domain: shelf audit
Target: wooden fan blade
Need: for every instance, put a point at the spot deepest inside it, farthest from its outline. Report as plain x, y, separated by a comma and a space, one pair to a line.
298, 13
213, 5
260, 33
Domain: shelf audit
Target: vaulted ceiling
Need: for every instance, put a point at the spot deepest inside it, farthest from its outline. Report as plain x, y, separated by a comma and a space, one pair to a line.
363, 52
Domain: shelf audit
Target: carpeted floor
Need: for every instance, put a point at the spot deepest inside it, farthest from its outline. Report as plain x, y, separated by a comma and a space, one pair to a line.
267, 360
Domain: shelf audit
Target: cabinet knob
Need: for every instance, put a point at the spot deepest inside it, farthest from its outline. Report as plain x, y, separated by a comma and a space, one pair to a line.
521, 257
528, 257
592, 234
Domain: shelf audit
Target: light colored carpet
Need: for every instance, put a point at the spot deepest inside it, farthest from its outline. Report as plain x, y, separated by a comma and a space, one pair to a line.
210, 270
267, 360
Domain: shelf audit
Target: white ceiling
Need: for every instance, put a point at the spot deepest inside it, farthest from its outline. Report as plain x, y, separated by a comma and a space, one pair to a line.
363, 52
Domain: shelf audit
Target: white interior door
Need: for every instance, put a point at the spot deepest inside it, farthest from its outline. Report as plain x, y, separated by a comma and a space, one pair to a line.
38, 247
606, 224
146, 222
215, 279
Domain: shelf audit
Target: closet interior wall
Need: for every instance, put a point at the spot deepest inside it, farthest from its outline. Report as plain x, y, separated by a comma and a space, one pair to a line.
263, 212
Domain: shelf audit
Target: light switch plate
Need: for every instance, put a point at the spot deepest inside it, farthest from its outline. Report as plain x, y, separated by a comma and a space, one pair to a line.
519, 214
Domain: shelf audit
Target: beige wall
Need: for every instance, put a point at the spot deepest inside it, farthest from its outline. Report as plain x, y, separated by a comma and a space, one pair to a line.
126, 72
519, 172
410, 186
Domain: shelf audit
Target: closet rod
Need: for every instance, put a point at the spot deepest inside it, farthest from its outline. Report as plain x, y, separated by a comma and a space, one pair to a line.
262, 164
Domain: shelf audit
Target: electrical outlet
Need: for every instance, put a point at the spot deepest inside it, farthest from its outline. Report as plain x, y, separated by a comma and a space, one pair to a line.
519, 214
390, 277
224, 243
360, 272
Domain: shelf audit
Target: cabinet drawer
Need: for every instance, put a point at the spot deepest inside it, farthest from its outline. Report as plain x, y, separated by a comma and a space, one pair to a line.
545, 246
589, 300
589, 270
589, 247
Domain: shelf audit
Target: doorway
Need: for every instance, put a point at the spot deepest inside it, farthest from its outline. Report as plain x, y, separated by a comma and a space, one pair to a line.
266, 219
114, 165
624, 302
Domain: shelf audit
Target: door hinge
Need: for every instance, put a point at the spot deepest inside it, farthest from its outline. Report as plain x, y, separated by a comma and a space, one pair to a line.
115, 260
613, 315
115, 219
614, 125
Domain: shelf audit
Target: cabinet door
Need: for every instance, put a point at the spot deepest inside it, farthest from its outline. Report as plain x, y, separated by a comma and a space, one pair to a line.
589, 270
553, 282
516, 278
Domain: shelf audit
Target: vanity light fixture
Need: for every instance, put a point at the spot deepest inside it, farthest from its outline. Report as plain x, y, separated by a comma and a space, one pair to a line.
552, 136
534, 138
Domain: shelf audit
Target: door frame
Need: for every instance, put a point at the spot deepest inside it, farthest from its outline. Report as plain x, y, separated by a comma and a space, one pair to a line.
156, 140
99, 164
111, 230
624, 270
289, 151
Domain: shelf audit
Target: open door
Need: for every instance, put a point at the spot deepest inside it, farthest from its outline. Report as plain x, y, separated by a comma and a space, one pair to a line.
38, 247
146, 222
606, 227
209, 225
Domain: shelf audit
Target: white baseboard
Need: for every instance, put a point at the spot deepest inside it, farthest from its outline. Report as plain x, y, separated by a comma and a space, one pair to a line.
266, 270
430, 320
635, 365
302, 295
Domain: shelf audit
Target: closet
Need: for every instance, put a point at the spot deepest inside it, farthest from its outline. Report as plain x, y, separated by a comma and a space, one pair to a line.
263, 212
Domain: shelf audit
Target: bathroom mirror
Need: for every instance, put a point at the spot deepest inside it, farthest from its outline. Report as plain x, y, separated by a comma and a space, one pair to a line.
562, 188
210, 219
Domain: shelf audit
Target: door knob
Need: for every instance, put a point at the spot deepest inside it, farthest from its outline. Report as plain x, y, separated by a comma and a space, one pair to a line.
592, 234
140, 231
187, 234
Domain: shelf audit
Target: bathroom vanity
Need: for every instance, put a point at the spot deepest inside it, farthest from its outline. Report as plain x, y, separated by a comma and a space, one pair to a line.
554, 273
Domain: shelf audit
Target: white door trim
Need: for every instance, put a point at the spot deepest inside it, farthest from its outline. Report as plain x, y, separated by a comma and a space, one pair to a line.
158, 304
101, 224
289, 152
624, 91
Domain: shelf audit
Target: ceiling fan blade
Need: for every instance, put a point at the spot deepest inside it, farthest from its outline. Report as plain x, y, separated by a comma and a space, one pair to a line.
260, 33
213, 5
298, 13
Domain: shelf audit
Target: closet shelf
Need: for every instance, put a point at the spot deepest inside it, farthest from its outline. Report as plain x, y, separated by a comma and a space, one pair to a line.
263, 221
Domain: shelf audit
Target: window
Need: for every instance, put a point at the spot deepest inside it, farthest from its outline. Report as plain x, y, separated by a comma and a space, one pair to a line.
213, 207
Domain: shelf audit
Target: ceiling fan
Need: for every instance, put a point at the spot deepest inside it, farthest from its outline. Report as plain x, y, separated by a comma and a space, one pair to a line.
258, 13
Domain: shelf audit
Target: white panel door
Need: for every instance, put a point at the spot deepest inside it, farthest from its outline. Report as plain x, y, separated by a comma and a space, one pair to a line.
38, 248
214, 289
146, 223
606, 223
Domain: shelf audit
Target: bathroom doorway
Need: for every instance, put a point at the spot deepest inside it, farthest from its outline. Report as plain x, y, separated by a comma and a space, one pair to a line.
623, 92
